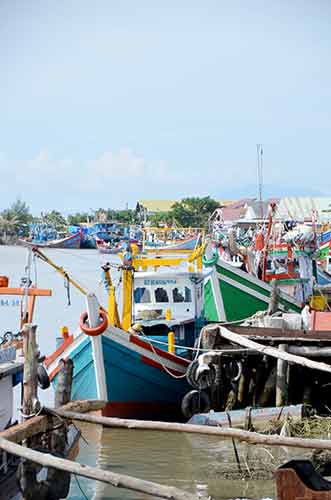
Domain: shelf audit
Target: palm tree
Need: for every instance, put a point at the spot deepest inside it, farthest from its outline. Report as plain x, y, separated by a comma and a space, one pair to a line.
9, 223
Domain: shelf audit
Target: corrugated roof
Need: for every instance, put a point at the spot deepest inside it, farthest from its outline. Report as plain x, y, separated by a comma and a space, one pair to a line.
301, 208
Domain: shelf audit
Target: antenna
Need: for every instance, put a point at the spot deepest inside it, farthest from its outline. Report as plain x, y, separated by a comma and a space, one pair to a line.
259, 153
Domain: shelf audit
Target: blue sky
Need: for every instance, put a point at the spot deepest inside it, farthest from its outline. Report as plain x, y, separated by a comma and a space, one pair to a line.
103, 103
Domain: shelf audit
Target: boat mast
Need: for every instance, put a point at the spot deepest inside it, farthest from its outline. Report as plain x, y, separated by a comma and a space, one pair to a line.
259, 152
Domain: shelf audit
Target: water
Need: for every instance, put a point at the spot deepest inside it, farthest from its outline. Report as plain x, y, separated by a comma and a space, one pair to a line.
194, 463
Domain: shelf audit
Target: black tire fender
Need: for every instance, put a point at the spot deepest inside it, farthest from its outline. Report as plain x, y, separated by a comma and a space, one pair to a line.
43, 378
205, 380
234, 370
195, 402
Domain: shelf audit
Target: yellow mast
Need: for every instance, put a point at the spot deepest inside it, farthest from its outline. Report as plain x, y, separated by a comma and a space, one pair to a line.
113, 315
127, 283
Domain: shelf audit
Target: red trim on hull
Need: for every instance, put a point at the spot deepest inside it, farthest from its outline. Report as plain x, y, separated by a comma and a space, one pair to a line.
144, 411
163, 354
66, 343
153, 363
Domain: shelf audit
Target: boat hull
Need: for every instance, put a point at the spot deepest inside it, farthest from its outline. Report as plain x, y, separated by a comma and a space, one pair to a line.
137, 381
180, 246
231, 294
71, 242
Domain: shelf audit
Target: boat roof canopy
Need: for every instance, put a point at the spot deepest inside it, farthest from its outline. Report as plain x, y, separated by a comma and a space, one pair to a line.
168, 275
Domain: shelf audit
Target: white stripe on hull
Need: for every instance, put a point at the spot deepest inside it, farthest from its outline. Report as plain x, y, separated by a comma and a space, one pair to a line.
255, 281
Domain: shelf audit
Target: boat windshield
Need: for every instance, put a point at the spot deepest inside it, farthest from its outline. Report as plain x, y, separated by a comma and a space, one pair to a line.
161, 295
142, 295
181, 294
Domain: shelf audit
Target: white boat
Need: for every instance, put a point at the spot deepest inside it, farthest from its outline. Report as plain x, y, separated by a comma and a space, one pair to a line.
11, 374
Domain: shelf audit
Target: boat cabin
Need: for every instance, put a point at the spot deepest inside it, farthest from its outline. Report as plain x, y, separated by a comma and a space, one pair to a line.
168, 296
166, 302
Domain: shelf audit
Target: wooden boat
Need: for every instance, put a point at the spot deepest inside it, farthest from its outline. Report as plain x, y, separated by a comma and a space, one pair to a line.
71, 242
116, 248
130, 363
226, 286
107, 248
184, 245
135, 372
11, 374
244, 272
298, 480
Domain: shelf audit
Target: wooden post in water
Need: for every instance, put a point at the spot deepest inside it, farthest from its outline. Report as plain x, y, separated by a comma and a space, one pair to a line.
27, 470
274, 298
58, 482
281, 382
64, 384
30, 378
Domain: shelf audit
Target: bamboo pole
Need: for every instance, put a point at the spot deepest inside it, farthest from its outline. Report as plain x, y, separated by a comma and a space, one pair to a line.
273, 352
221, 432
44, 423
310, 351
118, 480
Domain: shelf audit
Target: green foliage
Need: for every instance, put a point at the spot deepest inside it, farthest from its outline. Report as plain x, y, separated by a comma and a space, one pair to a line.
78, 218
193, 212
55, 219
124, 216
15, 220
160, 219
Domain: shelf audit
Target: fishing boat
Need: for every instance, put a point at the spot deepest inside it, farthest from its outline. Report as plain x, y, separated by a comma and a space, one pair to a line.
108, 248
11, 371
116, 248
19, 302
231, 294
71, 242
298, 480
137, 364
170, 246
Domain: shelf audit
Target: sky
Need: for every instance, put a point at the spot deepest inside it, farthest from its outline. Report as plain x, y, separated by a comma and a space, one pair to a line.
103, 103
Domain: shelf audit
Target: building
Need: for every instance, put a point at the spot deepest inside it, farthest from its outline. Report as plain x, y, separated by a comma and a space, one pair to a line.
305, 209
153, 207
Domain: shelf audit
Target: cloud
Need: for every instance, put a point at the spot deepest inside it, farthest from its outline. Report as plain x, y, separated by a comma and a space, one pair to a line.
111, 178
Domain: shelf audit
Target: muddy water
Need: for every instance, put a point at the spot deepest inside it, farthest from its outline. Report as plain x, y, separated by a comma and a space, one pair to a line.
194, 463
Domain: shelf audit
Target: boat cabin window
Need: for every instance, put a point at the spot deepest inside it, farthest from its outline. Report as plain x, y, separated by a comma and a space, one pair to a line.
161, 295
142, 295
182, 294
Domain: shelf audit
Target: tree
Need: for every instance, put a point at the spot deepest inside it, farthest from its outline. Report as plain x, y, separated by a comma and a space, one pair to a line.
161, 219
78, 218
56, 219
15, 220
193, 212
125, 216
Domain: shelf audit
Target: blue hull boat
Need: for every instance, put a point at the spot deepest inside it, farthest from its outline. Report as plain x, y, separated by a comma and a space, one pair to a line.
137, 379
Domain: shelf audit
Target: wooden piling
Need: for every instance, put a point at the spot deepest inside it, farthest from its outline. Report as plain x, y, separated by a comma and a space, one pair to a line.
281, 382
30, 378
269, 388
64, 383
274, 298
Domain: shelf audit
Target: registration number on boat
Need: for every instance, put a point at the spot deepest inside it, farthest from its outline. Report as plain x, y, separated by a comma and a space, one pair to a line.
9, 302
